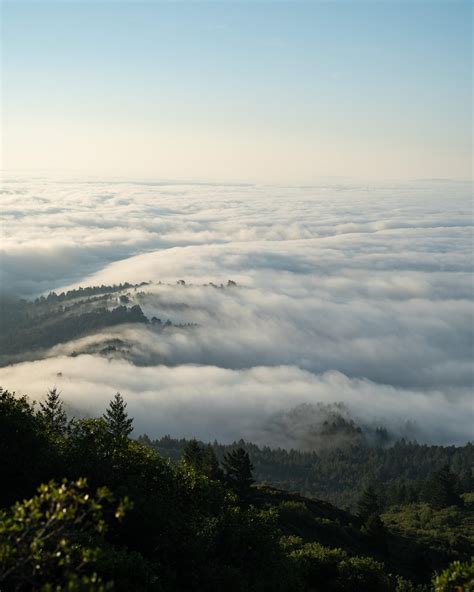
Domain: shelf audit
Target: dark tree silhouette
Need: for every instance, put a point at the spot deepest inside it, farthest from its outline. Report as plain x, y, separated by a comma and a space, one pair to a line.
369, 508
52, 412
203, 459
368, 504
117, 419
193, 455
211, 464
442, 490
238, 470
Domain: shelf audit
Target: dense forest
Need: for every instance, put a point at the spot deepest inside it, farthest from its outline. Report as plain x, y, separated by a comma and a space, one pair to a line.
86, 507
400, 472
29, 327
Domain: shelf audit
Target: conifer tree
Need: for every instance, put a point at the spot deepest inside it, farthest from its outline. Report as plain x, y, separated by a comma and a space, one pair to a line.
52, 412
369, 510
238, 470
193, 455
368, 504
117, 419
203, 459
211, 464
442, 489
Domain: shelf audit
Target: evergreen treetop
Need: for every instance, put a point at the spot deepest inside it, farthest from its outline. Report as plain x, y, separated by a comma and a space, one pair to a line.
117, 419
52, 412
368, 504
442, 490
238, 470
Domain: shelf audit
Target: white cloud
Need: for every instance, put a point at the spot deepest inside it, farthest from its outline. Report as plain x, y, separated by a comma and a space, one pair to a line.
210, 402
369, 284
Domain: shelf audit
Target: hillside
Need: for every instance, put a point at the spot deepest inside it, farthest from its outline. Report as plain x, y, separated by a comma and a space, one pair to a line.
28, 328
112, 514
339, 474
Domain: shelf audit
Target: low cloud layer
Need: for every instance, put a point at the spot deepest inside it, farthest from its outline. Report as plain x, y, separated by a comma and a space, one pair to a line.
347, 292
210, 402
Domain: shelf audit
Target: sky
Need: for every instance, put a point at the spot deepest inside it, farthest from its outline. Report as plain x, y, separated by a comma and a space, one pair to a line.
271, 92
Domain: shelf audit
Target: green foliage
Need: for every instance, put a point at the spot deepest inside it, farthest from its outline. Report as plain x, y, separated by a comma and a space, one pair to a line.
117, 420
27, 453
47, 322
52, 412
247, 548
53, 539
238, 471
403, 585
368, 504
186, 528
458, 577
442, 489
449, 531
203, 459
193, 454
333, 570
398, 472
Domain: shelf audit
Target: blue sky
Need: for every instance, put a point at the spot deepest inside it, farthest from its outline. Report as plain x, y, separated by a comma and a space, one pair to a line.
273, 91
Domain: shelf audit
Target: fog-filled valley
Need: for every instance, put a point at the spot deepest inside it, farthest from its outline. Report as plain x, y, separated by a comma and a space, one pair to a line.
226, 309
236, 296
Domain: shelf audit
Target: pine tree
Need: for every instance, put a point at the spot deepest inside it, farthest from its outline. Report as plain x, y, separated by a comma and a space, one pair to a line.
368, 503
211, 464
116, 417
193, 455
442, 490
238, 469
369, 511
52, 412
203, 459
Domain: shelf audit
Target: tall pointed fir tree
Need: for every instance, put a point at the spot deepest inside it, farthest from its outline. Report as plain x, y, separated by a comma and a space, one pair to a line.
52, 412
238, 471
117, 419
193, 455
368, 504
369, 509
203, 459
211, 464
442, 490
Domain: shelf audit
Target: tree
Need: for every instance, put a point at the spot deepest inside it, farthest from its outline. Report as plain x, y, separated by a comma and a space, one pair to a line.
368, 503
238, 470
369, 511
442, 489
116, 418
457, 577
193, 455
211, 467
375, 529
27, 452
52, 412
54, 539
203, 459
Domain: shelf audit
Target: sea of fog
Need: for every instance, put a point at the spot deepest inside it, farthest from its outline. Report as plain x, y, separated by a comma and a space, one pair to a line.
360, 293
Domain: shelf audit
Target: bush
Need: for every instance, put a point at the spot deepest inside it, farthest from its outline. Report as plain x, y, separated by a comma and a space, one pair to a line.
458, 577
54, 539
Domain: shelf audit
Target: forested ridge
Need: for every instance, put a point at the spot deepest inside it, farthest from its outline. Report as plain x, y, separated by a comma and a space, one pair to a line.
26, 326
399, 472
86, 507
29, 327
